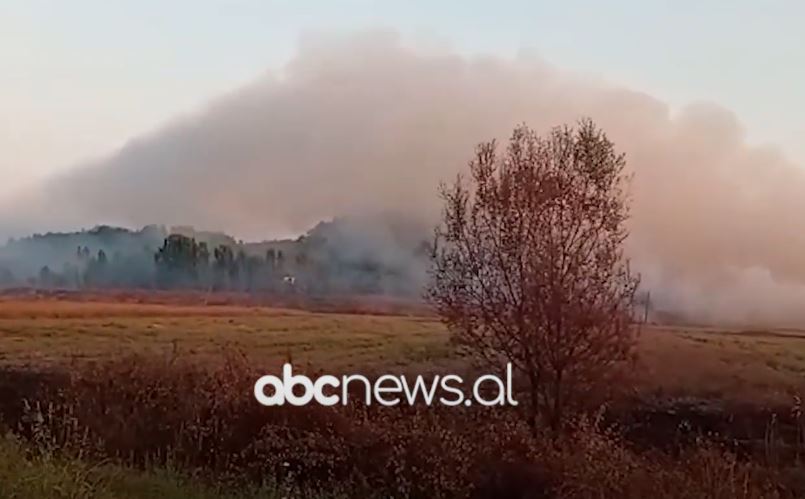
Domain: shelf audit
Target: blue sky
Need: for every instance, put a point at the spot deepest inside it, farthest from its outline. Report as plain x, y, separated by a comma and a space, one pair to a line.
79, 78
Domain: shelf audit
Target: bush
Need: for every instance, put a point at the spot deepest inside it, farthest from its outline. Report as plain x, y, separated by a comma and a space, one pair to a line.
203, 421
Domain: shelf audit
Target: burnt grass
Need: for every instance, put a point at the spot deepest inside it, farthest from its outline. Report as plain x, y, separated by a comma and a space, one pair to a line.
675, 423
144, 412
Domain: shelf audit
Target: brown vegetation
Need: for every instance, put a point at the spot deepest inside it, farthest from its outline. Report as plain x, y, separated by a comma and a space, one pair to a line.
150, 384
146, 412
762, 368
529, 266
16, 299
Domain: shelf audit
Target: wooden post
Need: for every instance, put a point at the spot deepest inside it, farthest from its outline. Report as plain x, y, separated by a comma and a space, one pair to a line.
646, 307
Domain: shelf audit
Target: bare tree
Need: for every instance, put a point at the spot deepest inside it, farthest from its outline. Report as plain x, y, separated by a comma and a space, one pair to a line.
528, 262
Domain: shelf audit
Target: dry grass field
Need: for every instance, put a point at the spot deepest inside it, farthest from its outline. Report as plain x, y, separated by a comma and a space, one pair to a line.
51, 333
152, 385
759, 367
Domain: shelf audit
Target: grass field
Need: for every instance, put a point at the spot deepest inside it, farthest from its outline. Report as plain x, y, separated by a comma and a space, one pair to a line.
48, 333
120, 424
745, 366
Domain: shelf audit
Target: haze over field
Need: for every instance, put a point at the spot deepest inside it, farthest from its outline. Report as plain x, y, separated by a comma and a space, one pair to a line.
365, 125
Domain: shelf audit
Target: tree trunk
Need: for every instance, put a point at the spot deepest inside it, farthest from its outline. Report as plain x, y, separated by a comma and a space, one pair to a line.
556, 412
533, 407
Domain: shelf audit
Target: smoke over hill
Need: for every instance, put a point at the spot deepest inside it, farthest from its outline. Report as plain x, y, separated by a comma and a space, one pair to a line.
363, 124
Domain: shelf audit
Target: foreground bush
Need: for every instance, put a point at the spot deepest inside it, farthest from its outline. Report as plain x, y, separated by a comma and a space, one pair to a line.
24, 475
203, 421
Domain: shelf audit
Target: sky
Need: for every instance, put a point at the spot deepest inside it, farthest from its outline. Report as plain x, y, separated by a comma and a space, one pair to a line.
79, 79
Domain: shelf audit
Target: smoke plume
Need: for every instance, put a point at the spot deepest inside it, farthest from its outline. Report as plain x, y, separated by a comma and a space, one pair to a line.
364, 124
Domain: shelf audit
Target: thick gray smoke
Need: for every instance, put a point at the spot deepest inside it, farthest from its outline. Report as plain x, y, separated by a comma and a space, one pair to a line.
363, 124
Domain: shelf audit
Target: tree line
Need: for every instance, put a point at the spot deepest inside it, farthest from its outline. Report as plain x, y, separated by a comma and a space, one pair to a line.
311, 264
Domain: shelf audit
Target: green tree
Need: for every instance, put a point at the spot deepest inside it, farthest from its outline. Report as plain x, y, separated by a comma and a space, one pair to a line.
177, 261
224, 267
